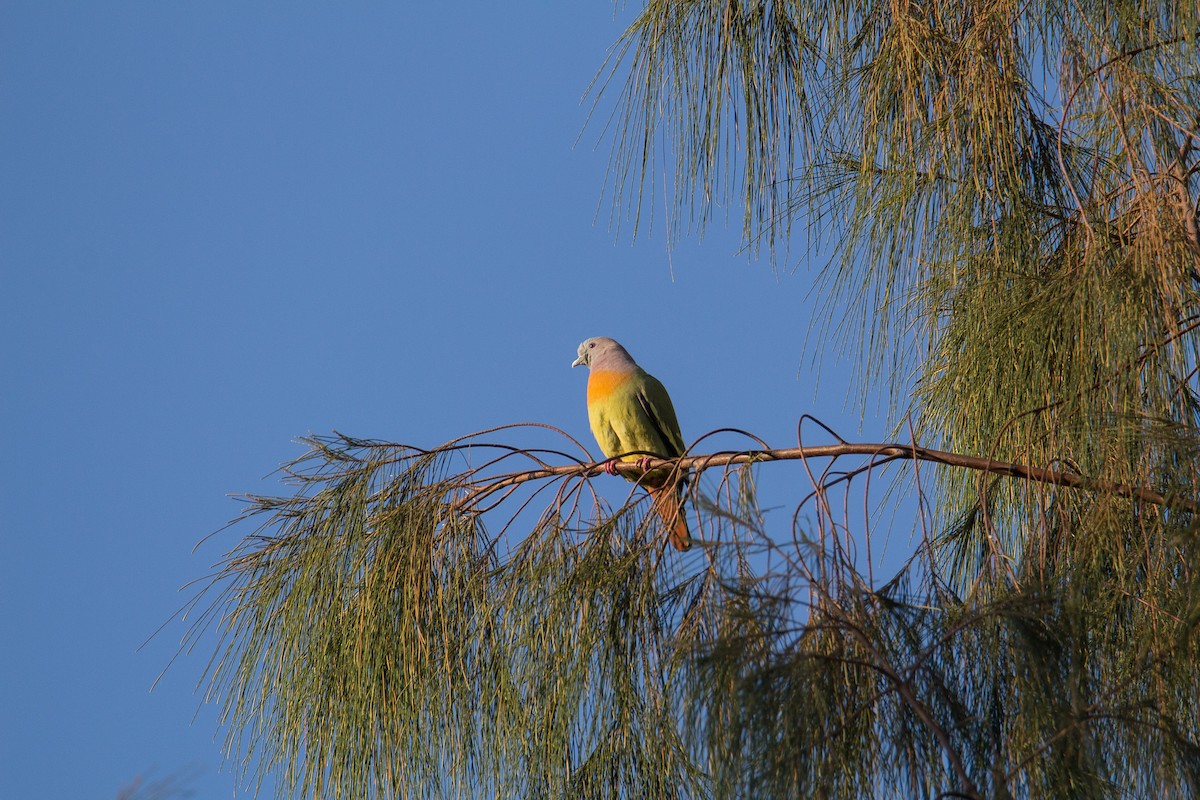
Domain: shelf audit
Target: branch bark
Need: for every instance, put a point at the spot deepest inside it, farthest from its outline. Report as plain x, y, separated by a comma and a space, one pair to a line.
887, 451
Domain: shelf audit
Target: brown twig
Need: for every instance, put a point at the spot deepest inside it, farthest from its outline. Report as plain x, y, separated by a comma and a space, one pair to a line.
890, 451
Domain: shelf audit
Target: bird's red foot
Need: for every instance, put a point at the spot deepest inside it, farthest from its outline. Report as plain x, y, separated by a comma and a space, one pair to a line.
611, 466
644, 463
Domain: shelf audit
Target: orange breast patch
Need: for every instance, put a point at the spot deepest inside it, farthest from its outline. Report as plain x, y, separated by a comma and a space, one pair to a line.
601, 384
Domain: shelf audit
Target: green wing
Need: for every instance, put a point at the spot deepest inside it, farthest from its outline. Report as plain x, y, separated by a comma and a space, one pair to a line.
660, 414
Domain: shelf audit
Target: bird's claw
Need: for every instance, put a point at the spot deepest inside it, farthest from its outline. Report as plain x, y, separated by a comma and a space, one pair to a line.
644, 463
610, 466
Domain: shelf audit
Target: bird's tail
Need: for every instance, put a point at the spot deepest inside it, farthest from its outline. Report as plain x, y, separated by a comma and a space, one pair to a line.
668, 503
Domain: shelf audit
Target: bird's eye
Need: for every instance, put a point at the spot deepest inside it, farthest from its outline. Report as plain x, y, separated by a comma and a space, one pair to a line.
593, 344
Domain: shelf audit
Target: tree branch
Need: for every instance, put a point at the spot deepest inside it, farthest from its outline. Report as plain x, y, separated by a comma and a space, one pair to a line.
888, 451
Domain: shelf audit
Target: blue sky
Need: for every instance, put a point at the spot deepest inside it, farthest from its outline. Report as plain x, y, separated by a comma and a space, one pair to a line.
226, 225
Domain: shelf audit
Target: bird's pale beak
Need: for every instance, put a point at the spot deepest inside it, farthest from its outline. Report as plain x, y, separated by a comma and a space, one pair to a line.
578, 361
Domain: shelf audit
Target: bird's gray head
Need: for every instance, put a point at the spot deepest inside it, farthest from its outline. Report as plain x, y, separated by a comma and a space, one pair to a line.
602, 352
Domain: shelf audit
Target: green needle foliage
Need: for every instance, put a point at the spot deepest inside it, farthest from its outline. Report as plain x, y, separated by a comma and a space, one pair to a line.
377, 642
1007, 193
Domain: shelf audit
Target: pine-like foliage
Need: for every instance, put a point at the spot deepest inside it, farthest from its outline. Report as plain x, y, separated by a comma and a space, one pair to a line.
1008, 191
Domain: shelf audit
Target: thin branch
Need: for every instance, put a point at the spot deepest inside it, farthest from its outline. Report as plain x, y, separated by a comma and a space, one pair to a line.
890, 451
